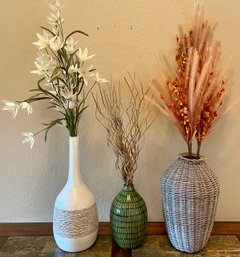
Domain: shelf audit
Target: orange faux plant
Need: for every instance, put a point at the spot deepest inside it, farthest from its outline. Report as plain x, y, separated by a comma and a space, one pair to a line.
193, 96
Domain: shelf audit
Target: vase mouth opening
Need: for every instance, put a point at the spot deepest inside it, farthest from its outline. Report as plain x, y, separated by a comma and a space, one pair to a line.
74, 137
128, 187
194, 158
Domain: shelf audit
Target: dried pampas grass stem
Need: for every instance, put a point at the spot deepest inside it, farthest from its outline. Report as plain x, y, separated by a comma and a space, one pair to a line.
193, 97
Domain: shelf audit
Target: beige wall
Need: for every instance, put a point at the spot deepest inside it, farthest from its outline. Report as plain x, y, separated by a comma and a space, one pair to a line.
131, 34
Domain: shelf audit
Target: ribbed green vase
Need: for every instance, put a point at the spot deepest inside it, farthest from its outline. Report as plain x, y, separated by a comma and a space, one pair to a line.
128, 218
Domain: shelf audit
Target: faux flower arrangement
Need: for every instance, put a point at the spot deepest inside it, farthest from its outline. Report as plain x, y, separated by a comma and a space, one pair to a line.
65, 75
193, 96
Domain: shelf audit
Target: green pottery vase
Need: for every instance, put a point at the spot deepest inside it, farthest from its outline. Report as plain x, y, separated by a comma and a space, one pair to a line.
128, 218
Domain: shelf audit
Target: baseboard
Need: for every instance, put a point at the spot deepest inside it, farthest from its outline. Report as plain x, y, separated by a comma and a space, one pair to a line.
153, 228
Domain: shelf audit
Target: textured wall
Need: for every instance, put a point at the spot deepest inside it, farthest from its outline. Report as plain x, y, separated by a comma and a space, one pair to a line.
131, 34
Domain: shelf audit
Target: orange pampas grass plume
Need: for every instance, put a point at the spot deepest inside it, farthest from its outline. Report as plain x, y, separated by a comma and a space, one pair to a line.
192, 98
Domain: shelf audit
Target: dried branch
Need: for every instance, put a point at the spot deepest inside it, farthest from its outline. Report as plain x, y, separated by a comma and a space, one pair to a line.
125, 124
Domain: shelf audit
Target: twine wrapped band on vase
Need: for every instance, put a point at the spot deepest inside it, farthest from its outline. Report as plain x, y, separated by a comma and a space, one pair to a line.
190, 192
75, 224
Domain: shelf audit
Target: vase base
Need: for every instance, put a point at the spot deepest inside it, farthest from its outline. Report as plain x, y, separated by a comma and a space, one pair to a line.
76, 244
128, 246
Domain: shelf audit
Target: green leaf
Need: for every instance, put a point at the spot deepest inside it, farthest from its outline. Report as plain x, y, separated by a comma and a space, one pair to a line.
74, 32
47, 93
48, 30
50, 125
34, 90
38, 99
63, 54
79, 114
70, 60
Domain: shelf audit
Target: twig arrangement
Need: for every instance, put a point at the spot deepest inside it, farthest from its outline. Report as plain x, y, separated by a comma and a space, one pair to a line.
125, 125
192, 98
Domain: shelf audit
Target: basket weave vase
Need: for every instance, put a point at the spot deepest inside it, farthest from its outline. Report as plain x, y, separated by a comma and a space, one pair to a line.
190, 192
128, 218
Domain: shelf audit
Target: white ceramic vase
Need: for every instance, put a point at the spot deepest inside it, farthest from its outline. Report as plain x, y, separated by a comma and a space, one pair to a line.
75, 219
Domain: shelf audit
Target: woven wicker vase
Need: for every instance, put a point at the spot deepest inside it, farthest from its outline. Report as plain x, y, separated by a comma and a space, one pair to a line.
128, 218
190, 192
75, 219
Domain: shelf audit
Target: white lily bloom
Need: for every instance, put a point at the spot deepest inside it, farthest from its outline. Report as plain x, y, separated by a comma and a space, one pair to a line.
54, 21
45, 64
57, 6
43, 57
39, 71
83, 54
99, 79
67, 94
29, 138
55, 17
43, 40
71, 104
11, 107
74, 69
85, 73
26, 105
70, 45
70, 98
53, 92
55, 44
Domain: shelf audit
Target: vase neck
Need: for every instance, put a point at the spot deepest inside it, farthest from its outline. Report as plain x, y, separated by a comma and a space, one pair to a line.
128, 188
74, 176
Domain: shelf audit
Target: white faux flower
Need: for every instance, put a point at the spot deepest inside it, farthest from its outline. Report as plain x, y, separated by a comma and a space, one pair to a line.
71, 104
83, 54
43, 40
26, 105
53, 92
99, 79
55, 17
45, 65
57, 6
85, 73
55, 44
67, 94
39, 71
70, 98
70, 45
11, 107
74, 69
43, 57
29, 138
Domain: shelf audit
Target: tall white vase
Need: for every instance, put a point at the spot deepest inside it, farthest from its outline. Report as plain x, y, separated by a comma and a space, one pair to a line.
75, 219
